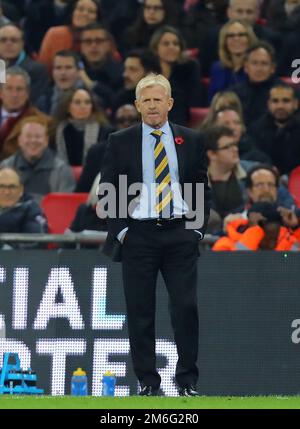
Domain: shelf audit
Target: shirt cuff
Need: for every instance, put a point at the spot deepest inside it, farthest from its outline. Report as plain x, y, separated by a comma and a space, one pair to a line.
200, 233
122, 234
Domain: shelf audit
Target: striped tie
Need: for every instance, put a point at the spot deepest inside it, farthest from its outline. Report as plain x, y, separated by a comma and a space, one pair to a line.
164, 200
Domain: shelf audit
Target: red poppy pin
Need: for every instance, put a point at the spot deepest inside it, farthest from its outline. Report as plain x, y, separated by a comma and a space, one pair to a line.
179, 140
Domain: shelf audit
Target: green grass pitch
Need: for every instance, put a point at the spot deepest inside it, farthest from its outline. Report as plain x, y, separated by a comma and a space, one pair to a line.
135, 402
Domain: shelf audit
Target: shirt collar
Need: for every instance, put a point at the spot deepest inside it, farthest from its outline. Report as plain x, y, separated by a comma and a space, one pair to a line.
147, 130
5, 114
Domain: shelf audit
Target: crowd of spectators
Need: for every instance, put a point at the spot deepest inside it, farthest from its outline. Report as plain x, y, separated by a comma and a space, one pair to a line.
71, 71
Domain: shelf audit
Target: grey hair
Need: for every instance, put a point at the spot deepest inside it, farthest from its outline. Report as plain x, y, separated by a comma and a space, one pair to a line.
153, 80
18, 71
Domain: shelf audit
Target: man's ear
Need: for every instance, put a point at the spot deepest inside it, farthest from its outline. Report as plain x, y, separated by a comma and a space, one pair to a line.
137, 105
171, 104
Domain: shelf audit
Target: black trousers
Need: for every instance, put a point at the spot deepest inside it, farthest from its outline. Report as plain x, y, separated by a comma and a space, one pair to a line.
173, 250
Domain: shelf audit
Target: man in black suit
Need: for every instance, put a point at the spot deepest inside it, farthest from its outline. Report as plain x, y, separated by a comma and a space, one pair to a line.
159, 230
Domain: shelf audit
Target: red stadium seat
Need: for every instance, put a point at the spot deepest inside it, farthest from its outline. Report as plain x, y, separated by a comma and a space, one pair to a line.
197, 115
60, 209
77, 170
294, 185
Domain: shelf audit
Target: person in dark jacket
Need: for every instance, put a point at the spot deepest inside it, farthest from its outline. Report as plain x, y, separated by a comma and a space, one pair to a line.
79, 125
12, 51
65, 77
138, 63
247, 11
126, 116
260, 70
153, 14
183, 73
101, 72
277, 133
18, 213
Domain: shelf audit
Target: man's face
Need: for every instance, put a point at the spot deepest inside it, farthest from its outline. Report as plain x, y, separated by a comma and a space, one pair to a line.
126, 116
133, 72
11, 42
231, 120
264, 187
14, 93
95, 45
282, 104
154, 105
244, 10
259, 66
65, 73
33, 141
227, 155
11, 188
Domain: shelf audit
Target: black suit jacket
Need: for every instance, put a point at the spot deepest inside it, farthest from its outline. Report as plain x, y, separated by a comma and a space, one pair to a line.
123, 156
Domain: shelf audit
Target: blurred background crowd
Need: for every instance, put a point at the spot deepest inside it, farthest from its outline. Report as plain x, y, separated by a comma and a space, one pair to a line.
71, 71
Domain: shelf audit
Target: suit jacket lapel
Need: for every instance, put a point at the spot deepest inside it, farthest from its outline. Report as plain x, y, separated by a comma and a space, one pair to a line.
137, 159
180, 153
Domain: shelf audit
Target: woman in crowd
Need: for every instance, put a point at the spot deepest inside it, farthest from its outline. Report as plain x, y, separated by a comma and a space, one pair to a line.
234, 40
79, 125
82, 13
221, 100
153, 14
183, 72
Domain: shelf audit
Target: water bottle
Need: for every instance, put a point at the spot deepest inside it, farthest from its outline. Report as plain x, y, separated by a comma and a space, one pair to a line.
79, 383
108, 384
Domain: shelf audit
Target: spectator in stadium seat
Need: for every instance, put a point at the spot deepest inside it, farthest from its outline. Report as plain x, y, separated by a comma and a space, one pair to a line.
14, 107
137, 64
168, 44
153, 14
125, 117
42, 171
13, 53
221, 100
65, 76
230, 118
227, 174
79, 125
18, 213
262, 184
263, 230
234, 40
260, 68
101, 73
83, 12
242, 10
277, 132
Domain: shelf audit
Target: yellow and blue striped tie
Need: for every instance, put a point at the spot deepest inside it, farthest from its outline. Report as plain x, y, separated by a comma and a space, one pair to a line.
164, 199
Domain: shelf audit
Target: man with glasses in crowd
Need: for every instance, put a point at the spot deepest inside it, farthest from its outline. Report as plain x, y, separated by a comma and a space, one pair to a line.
100, 71
226, 172
13, 53
18, 213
